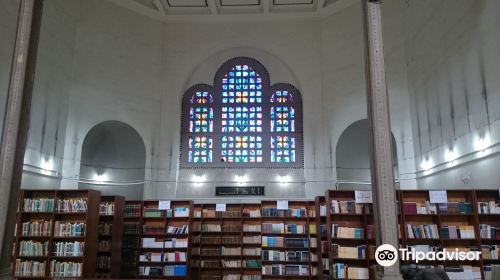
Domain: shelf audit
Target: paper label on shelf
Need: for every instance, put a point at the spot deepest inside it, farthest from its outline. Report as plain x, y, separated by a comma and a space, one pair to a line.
438, 197
164, 204
363, 196
282, 204
220, 207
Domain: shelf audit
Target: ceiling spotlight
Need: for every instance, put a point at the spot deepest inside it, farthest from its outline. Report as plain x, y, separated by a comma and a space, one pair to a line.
451, 155
482, 143
100, 178
426, 164
47, 165
241, 179
198, 179
284, 179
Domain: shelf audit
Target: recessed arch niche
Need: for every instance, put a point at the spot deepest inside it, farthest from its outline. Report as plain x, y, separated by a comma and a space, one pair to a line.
113, 160
353, 156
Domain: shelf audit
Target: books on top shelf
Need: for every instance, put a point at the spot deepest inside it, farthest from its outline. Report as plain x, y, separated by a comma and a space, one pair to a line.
71, 205
251, 213
68, 249
347, 232
489, 232
132, 210
453, 208
30, 268
33, 248
153, 213
458, 232
322, 210
107, 208
346, 207
429, 231
344, 252
412, 208
65, 269
344, 271
37, 228
38, 205
296, 212
180, 212
488, 207
68, 229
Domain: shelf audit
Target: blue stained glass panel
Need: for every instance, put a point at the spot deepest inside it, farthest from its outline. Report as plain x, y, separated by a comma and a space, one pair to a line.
241, 85
244, 148
282, 149
200, 149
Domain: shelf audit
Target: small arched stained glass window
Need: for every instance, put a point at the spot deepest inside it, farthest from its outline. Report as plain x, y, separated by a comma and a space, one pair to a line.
242, 120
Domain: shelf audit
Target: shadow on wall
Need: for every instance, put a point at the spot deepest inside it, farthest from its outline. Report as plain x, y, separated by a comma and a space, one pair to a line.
353, 157
113, 160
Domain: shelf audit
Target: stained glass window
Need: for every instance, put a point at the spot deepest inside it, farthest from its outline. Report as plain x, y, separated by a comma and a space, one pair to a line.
242, 120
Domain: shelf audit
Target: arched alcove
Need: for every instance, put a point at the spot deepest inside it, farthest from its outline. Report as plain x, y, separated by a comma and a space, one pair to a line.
353, 156
113, 160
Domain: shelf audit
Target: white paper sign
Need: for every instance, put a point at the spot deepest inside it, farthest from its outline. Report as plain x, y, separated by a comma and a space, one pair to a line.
438, 197
363, 196
164, 204
220, 207
282, 205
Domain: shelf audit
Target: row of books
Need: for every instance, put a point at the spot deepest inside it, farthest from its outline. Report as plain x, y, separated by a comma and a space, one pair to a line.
71, 205
490, 252
168, 270
230, 251
344, 271
104, 246
106, 208
458, 232
167, 243
211, 213
273, 228
37, 228
30, 268
163, 257
488, 207
251, 213
65, 269
488, 272
345, 252
284, 270
290, 213
132, 210
131, 228
347, 232
38, 205
421, 208
69, 249
32, 248
103, 262
184, 229
429, 231
346, 207
296, 229
489, 231
105, 228
68, 229
452, 208
463, 272
252, 251
252, 228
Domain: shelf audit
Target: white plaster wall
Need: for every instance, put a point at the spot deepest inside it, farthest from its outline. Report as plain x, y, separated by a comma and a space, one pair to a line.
453, 58
47, 129
9, 11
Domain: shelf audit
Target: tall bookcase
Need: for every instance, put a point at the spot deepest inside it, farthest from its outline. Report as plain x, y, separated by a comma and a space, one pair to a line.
350, 236
55, 234
110, 236
165, 237
286, 241
488, 209
322, 237
131, 238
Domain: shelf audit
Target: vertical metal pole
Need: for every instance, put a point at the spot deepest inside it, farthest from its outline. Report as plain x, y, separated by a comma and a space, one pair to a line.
16, 122
382, 172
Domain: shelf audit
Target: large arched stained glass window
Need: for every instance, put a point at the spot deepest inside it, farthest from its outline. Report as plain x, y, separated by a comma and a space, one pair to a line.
242, 121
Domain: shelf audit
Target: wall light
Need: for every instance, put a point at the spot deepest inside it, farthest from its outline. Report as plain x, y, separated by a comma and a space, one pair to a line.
426, 164
47, 166
198, 179
451, 155
482, 143
283, 179
240, 179
100, 178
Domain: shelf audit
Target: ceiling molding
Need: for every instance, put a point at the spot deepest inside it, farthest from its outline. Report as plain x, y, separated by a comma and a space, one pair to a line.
219, 10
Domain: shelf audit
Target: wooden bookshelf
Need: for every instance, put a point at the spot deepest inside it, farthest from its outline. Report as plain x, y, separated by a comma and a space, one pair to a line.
353, 231
109, 245
85, 250
164, 254
131, 238
322, 237
488, 210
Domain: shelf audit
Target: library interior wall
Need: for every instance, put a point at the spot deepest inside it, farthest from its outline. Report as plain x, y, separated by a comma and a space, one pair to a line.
122, 66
